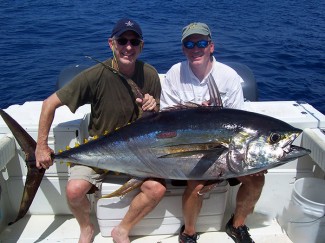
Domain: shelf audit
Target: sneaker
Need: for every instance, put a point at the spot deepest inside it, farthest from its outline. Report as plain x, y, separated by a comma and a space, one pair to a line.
184, 238
240, 234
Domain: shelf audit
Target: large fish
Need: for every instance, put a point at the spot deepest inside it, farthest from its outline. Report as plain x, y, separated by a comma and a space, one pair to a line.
202, 143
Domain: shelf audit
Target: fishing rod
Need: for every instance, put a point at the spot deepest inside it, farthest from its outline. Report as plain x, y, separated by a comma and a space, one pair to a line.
135, 88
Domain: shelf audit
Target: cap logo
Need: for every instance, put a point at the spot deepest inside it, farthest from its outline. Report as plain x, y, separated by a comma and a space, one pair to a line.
130, 24
192, 26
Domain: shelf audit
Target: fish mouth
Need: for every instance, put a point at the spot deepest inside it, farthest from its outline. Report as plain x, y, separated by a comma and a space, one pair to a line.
292, 152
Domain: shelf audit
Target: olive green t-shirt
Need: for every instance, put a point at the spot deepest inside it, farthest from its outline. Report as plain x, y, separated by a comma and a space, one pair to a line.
111, 98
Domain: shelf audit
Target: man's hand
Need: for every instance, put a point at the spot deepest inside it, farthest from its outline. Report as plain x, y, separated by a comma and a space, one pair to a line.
206, 103
43, 156
148, 103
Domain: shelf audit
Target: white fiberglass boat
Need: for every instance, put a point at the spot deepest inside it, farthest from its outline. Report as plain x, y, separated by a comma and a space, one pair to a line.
275, 218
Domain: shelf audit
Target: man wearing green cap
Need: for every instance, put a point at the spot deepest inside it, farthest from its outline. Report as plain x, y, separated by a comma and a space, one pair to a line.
204, 81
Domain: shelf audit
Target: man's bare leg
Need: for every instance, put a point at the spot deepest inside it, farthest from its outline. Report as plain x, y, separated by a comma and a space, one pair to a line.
80, 207
192, 204
248, 194
152, 191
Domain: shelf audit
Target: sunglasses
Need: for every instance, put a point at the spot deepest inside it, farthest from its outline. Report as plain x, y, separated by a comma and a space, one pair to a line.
123, 41
199, 44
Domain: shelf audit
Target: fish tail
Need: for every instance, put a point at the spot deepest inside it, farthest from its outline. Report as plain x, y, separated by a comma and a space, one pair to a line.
34, 175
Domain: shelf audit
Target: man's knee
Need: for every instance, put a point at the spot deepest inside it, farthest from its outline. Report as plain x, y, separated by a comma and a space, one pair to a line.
154, 188
77, 189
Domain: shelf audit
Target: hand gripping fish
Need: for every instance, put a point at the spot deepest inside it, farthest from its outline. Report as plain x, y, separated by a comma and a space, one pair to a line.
200, 143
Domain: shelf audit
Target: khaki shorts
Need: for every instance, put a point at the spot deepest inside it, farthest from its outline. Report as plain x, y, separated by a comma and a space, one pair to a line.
94, 176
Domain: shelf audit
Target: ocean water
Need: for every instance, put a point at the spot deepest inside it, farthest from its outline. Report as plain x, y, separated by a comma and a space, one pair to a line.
282, 41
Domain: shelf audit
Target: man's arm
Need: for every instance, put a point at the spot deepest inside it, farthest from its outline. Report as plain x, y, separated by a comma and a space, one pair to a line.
43, 151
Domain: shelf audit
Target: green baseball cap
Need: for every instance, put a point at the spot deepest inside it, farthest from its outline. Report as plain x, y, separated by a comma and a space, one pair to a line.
196, 28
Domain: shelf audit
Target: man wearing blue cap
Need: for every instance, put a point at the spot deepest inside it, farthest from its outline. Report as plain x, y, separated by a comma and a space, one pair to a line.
201, 79
106, 87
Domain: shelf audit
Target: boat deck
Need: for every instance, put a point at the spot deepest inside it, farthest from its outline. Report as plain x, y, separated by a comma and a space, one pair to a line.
64, 228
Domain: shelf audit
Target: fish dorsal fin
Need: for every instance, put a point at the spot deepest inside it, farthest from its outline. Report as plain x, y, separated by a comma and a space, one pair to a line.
189, 105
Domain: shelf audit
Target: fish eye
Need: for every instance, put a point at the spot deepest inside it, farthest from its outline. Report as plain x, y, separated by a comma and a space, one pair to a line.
274, 138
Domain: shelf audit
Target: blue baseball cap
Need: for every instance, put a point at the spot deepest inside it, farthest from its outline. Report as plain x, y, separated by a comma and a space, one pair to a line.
124, 25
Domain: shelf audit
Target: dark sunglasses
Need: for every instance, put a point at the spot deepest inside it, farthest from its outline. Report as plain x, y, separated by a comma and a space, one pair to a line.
199, 44
123, 41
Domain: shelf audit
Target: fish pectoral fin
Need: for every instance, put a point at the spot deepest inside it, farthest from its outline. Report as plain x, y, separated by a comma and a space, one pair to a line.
216, 152
130, 185
187, 150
